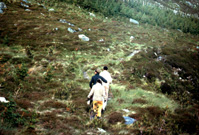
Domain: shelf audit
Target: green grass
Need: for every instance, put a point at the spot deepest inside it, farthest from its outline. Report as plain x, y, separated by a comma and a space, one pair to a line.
152, 98
58, 76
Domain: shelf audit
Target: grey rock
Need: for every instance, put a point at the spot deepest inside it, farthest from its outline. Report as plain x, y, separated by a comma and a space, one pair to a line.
51, 9
83, 37
159, 58
2, 5
101, 130
3, 99
71, 24
24, 5
85, 75
189, 3
133, 53
71, 30
91, 14
27, 10
79, 29
101, 40
25, 1
131, 38
1, 11
64, 21
134, 21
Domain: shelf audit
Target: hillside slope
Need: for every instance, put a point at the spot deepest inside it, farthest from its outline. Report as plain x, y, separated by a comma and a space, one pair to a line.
45, 70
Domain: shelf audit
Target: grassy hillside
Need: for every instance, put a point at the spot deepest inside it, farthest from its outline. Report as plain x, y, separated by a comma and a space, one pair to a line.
45, 71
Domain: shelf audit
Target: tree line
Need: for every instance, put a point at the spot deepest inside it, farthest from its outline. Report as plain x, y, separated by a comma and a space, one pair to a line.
143, 13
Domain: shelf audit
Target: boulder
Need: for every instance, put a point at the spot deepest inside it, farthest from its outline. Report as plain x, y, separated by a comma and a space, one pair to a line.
134, 21
83, 37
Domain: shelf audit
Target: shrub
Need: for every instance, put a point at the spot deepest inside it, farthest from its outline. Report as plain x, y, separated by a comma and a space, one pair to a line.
10, 117
21, 71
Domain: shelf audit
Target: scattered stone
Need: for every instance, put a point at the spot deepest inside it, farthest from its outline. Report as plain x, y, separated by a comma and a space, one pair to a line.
51, 9
159, 58
24, 5
27, 10
123, 132
64, 21
189, 3
101, 130
133, 53
89, 29
2, 6
71, 24
108, 49
25, 1
175, 12
79, 29
126, 110
3, 99
83, 37
134, 21
71, 30
42, 14
131, 38
101, 40
91, 14
85, 75
128, 120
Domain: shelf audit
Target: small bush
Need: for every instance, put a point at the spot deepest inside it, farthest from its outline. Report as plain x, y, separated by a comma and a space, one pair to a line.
21, 71
10, 117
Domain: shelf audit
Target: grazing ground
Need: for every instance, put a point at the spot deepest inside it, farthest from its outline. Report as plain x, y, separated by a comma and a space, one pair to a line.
45, 72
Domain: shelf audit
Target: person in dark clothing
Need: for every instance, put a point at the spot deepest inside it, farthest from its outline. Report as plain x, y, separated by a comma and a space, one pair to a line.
95, 78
